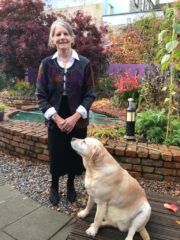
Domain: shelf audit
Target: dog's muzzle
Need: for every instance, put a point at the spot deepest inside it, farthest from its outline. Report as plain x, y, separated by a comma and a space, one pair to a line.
73, 139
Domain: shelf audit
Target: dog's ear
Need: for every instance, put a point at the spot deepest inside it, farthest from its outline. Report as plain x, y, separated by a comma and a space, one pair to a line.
96, 154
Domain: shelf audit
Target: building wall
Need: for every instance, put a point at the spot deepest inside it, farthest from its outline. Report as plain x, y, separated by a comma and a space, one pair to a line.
111, 7
115, 7
94, 10
135, 6
122, 14
127, 18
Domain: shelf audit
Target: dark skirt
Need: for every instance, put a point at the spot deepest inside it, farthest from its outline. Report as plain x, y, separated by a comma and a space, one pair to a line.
63, 159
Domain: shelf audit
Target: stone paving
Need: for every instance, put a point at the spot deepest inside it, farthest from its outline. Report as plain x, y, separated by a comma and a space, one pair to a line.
24, 219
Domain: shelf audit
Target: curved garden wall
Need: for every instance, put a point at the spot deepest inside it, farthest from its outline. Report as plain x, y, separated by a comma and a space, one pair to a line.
9, 100
29, 141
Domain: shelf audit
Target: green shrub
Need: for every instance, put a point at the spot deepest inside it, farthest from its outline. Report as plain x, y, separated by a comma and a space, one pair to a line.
151, 125
174, 139
22, 89
17, 101
155, 135
110, 132
2, 107
4, 81
105, 86
102, 132
122, 98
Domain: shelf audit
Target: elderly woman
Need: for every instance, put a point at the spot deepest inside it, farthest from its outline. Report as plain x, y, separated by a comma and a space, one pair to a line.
65, 94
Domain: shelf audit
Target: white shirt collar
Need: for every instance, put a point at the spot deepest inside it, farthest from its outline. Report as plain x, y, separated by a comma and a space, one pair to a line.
71, 61
74, 55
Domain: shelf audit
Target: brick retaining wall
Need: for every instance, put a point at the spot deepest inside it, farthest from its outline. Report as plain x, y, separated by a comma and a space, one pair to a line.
9, 100
29, 141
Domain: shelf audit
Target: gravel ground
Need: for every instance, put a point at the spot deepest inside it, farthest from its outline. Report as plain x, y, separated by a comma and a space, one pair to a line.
33, 179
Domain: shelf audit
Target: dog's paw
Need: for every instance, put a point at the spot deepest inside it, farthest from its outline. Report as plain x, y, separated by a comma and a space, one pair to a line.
82, 213
129, 238
92, 231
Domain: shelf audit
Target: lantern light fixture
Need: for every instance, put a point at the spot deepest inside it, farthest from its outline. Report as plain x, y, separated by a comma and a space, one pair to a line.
130, 120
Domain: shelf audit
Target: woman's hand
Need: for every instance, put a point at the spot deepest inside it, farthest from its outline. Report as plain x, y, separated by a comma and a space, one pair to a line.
69, 123
59, 121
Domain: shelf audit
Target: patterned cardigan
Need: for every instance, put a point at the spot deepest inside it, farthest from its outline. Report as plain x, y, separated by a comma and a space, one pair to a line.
79, 87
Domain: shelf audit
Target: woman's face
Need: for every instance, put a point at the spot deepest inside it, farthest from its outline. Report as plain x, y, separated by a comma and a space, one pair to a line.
62, 39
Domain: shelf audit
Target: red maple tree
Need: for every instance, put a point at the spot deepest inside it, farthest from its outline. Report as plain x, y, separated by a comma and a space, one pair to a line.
24, 30
126, 82
126, 47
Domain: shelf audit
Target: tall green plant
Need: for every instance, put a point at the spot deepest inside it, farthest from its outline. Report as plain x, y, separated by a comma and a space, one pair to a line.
148, 28
169, 54
151, 125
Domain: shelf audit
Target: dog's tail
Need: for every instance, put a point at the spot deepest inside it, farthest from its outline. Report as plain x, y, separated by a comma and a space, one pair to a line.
144, 234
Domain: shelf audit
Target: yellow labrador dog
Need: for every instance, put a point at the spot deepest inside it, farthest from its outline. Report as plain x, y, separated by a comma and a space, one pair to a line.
121, 201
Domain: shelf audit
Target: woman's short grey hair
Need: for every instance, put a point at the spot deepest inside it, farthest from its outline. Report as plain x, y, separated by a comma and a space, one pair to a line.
61, 23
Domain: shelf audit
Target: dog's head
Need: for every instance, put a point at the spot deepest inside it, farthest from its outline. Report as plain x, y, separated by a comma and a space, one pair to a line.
88, 148
95, 156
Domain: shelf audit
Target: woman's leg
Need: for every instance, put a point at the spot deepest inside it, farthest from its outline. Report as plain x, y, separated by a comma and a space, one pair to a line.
55, 182
57, 162
71, 192
54, 190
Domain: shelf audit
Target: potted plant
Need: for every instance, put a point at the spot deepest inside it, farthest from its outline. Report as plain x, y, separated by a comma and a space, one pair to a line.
2, 108
18, 103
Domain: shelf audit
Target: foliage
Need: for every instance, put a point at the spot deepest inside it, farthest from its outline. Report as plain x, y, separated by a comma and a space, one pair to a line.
17, 101
153, 88
107, 107
151, 125
137, 43
148, 29
2, 107
168, 39
24, 30
126, 82
127, 86
106, 132
126, 47
122, 98
5, 81
174, 139
22, 89
169, 55
103, 103
105, 86
173, 207
101, 132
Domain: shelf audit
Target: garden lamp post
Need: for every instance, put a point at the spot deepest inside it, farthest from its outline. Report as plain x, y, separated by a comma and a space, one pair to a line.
130, 120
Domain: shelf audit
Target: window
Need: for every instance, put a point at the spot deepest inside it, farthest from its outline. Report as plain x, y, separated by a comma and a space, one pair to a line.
128, 20
136, 2
111, 9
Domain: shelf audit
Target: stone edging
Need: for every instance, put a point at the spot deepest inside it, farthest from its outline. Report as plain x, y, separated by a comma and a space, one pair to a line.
26, 100
29, 141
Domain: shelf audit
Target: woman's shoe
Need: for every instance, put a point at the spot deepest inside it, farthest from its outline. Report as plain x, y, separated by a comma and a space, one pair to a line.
71, 194
54, 196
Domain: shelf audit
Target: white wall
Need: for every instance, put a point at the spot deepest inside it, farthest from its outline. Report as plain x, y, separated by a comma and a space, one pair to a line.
166, 1
70, 3
118, 6
124, 19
